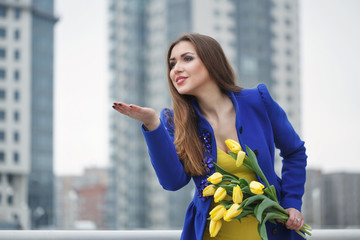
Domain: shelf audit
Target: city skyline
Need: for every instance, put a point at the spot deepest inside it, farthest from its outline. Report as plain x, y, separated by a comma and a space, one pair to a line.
83, 115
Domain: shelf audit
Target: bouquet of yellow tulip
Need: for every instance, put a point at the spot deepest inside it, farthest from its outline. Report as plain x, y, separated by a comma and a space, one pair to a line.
246, 198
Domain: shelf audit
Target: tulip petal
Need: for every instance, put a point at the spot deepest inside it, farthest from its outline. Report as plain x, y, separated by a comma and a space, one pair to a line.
209, 190
233, 145
214, 227
237, 194
217, 212
215, 178
219, 194
240, 158
256, 187
232, 212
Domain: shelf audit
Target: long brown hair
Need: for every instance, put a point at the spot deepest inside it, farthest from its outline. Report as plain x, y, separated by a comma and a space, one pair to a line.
188, 145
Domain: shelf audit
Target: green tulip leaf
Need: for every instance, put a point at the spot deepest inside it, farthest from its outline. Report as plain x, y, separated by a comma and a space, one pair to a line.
262, 226
244, 213
233, 155
226, 186
246, 190
267, 203
226, 204
243, 182
262, 231
255, 165
256, 208
251, 200
247, 164
269, 192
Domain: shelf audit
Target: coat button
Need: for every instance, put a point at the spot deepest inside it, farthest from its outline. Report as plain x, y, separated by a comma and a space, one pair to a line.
241, 129
274, 231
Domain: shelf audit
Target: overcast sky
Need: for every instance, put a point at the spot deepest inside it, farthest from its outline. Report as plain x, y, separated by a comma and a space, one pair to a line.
330, 73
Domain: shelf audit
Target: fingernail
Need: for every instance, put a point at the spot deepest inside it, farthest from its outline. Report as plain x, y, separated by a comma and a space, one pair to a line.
131, 106
113, 107
119, 104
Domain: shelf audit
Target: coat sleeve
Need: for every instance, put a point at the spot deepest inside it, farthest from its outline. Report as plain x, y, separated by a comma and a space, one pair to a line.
292, 150
163, 155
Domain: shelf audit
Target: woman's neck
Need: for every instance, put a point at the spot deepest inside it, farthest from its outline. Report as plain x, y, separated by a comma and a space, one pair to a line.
213, 104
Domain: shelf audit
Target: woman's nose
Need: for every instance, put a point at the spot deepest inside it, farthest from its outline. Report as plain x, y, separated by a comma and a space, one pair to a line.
178, 67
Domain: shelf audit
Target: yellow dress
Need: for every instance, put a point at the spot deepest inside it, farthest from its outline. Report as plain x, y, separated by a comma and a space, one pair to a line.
247, 229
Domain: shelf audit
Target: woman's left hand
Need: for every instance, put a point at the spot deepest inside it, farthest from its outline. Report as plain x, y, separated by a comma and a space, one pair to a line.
296, 219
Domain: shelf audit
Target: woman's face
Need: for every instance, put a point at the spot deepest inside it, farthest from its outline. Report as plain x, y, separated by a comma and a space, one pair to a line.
187, 72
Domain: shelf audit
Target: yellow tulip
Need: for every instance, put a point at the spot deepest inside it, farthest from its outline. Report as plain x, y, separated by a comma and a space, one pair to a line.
219, 194
214, 227
217, 212
240, 158
256, 188
215, 178
233, 145
237, 194
209, 191
232, 212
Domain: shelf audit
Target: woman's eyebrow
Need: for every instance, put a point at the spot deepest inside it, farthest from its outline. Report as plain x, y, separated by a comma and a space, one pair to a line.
185, 53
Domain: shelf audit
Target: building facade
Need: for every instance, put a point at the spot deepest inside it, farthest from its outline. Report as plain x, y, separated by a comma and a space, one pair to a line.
260, 38
26, 112
80, 200
331, 200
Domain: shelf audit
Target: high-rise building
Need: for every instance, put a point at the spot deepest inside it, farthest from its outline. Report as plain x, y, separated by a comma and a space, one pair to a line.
81, 199
331, 200
260, 38
26, 113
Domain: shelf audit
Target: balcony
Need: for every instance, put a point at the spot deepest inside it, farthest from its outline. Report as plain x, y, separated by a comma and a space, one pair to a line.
317, 234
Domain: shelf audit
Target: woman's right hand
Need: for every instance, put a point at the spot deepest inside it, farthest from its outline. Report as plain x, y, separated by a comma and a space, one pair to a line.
147, 116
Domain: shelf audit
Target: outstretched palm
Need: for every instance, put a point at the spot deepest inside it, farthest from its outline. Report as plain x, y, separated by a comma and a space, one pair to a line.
147, 116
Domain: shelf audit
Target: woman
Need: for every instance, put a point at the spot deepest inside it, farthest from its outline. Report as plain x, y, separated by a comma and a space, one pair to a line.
207, 103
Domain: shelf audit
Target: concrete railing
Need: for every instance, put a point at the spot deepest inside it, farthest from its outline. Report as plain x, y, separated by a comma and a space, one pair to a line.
317, 234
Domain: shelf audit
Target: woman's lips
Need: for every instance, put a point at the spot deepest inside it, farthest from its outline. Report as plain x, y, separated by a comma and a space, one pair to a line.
180, 80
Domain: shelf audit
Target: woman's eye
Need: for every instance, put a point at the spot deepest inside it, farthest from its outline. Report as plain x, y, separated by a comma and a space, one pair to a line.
188, 58
171, 65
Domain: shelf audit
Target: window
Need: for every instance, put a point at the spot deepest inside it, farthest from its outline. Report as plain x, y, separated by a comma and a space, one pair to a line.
2, 32
10, 179
2, 74
17, 13
10, 200
2, 157
3, 11
2, 53
2, 136
16, 96
2, 94
288, 52
287, 6
288, 68
17, 34
16, 116
288, 37
287, 22
17, 55
2, 115
16, 157
289, 83
16, 136
16, 75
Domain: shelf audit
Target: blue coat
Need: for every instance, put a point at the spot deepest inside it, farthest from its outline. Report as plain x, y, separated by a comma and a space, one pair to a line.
261, 124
